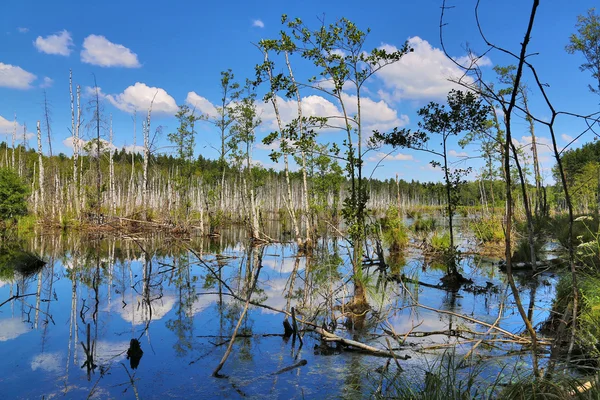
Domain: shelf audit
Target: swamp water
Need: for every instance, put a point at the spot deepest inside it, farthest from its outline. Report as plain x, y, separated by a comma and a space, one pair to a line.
75, 332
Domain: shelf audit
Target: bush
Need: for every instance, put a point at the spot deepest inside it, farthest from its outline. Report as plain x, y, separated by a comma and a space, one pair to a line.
13, 195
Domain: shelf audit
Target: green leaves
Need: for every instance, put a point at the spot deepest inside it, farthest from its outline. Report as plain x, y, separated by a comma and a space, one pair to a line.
13, 195
587, 42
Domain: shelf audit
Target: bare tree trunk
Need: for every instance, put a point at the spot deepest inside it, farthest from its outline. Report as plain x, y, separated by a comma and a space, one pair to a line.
146, 130
111, 171
14, 136
536, 163
285, 146
41, 203
306, 213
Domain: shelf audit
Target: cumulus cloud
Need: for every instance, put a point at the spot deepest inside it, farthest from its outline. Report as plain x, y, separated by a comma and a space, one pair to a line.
258, 23
47, 82
201, 104
139, 97
12, 328
22, 29
48, 362
7, 127
392, 157
376, 115
138, 312
424, 73
12, 76
59, 43
97, 50
105, 146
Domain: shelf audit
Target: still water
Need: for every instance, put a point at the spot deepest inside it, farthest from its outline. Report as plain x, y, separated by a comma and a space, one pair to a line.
150, 317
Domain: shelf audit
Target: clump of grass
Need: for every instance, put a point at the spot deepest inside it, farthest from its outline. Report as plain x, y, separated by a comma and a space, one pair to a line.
395, 234
488, 230
446, 379
556, 387
26, 224
439, 242
588, 317
426, 224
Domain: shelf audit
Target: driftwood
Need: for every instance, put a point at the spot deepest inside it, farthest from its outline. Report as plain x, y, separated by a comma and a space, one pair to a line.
331, 337
291, 367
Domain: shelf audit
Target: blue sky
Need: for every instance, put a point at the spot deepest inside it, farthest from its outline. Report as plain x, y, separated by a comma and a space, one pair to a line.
136, 48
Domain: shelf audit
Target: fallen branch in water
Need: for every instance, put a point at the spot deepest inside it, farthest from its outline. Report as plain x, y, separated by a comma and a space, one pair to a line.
257, 265
291, 367
329, 336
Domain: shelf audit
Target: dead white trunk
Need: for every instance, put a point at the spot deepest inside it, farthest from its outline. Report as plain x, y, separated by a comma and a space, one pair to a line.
41, 203
14, 136
111, 171
306, 213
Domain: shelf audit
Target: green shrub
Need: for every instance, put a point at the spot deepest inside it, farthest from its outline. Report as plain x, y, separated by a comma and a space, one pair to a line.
13, 195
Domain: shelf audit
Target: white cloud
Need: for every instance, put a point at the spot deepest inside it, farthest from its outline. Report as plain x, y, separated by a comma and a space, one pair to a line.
7, 127
139, 97
12, 328
138, 312
392, 157
201, 104
133, 149
376, 115
22, 30
258, 23
97, 50
15, 77
543, 144
104, 145
424, 73
47, 82
48, 362
454, 153
59, 43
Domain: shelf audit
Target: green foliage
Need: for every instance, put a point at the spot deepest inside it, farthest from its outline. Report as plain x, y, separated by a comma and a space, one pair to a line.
522, 253
585, 237
13, 195
185, 136
587, 42
424, 224
588, 318
487, 230
446, 379
439, 242
395, 234
26, 224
